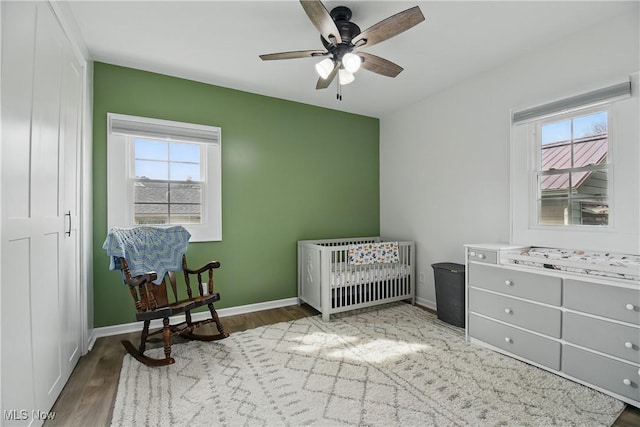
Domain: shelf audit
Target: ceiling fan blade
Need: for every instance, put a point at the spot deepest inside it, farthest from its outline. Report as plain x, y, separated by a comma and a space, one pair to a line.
379, 65
324, 83
390, 27
322, 20
294, 54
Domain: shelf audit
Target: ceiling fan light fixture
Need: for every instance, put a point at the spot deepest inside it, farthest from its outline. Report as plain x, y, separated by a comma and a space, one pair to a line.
325, 67
345, 77
343, 39
351, 62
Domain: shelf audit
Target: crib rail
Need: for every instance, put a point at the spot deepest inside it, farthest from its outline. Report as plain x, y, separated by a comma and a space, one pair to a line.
343, 242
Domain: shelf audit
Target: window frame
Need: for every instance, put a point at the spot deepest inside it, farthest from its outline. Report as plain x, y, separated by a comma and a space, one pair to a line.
121, 170
622, 235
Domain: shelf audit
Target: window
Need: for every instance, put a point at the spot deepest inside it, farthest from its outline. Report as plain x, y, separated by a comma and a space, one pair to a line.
574, 176
164, 173
167, 188
573, 169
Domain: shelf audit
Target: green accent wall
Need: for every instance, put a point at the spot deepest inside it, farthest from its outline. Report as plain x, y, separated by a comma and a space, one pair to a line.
290, 172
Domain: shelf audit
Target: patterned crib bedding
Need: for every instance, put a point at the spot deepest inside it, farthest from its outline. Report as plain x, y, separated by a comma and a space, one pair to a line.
344, 274
604, 264
374, 253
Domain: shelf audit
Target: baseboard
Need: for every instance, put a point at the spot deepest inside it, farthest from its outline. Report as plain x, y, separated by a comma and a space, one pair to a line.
91, 340
426, 303
125, 328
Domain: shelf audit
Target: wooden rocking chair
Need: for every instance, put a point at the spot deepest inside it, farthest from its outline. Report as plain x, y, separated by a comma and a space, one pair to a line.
152, 302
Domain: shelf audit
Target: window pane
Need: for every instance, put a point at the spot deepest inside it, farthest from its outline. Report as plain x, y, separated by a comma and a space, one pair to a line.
151, 213
184, 172
151, 150
590, 125
593, 212
554, 199
185, 214
556, 156
186, 193
590, 184
550, 185
553, 211
590, 201
151, 169
186, 203
150, 192
556, 132
184, 152
590, 151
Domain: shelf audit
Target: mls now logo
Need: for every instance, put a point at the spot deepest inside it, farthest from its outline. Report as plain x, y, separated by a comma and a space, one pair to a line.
23, 414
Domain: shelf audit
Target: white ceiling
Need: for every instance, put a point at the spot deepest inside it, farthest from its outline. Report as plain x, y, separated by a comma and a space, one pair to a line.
218, 42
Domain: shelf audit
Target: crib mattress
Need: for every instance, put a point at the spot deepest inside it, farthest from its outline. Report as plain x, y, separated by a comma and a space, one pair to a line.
348, 274
604, 264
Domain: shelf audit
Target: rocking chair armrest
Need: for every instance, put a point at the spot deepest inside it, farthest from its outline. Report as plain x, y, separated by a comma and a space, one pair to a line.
142, 279
209, 265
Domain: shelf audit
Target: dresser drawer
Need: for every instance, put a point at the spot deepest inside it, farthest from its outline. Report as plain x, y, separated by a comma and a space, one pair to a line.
482, 255
537, 287
608, 301
607, 337
538, 318
613, 375
532, 347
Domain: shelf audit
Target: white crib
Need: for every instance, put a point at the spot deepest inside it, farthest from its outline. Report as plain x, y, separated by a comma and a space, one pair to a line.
328, 282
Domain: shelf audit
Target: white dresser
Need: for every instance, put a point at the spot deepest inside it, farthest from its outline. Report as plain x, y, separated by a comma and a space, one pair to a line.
581, 327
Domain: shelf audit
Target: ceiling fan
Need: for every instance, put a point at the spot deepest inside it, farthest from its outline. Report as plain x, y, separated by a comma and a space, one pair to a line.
343, 41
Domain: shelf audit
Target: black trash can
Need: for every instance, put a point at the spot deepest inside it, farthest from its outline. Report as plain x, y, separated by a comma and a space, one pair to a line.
449, 279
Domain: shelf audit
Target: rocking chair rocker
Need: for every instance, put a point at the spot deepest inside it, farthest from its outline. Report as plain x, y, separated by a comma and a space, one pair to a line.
153, 302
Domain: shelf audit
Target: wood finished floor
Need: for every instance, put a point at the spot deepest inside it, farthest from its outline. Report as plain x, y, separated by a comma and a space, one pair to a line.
89, 396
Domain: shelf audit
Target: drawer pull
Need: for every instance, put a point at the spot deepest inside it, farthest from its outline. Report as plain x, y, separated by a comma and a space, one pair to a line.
628, 344
481, 256
626, 381
508, 340
508, 282
508, 311
472, 254
629, 307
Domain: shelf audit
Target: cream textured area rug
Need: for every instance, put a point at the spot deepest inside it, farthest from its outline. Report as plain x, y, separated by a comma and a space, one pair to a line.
392, 366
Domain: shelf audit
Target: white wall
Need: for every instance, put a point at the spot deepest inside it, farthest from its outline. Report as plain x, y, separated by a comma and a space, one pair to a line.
444, 162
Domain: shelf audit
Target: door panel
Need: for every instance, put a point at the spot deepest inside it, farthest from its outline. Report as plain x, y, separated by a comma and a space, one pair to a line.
45, 161
44, 319
16, 322
18, 37
70, 131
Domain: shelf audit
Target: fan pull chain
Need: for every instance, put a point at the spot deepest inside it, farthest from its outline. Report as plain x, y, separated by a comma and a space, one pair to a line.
339, 89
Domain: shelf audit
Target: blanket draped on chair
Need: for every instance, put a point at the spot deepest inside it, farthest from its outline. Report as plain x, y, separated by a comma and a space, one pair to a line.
146, 248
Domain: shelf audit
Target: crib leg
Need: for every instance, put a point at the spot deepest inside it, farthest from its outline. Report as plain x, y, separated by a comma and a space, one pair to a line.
325, 317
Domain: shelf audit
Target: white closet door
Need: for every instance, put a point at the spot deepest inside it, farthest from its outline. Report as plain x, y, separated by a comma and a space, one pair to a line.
41, 108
